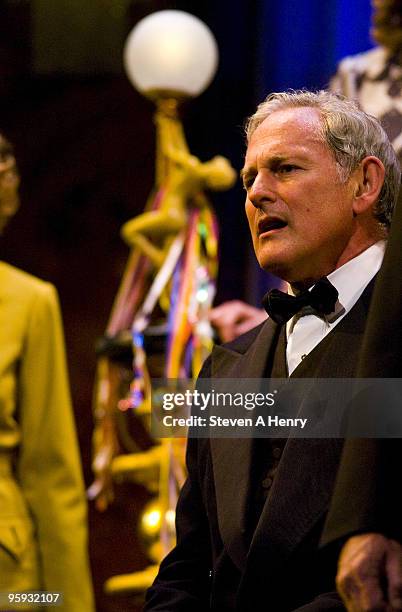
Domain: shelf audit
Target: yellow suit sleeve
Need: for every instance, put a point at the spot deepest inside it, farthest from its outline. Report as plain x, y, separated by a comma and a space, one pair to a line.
49, 464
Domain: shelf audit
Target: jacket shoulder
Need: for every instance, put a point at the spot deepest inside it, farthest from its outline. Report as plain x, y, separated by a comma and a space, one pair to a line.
18, 283
243, 342
240, 345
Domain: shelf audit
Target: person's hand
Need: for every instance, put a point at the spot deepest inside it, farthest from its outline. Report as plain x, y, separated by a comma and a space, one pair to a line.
233, 318
369, 575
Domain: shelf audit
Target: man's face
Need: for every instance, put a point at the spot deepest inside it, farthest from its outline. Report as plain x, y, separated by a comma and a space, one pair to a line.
300, 213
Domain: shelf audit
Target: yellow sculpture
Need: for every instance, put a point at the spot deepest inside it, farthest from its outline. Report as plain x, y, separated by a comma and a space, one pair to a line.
185, 179
178, 219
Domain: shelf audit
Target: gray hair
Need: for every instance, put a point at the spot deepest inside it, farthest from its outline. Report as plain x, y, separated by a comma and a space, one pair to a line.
350, 133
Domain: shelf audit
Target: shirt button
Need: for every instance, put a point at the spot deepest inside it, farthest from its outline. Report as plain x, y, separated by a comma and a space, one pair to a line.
277, 452
267, 483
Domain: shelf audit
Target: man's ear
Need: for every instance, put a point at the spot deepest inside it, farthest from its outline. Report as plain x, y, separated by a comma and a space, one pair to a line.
369, 179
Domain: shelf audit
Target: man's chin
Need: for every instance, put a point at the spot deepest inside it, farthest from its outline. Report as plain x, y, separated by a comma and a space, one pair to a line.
276, 266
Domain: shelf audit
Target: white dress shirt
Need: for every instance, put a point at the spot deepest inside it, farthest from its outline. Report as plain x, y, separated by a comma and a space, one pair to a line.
303, 333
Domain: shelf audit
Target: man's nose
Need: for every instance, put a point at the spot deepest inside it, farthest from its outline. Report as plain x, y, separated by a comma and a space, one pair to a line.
262, 190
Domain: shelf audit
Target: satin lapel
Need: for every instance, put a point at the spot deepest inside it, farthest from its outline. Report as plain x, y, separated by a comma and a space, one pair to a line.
232, 483
228, 363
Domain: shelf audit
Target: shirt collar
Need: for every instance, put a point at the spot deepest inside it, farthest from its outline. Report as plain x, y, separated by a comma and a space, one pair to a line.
351, 279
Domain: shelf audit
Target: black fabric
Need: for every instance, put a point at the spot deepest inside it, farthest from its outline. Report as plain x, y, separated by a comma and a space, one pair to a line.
266, 452
276, 366
364, 498
281, 306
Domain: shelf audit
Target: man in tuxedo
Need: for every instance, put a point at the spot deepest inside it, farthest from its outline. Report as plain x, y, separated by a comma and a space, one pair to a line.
321, 180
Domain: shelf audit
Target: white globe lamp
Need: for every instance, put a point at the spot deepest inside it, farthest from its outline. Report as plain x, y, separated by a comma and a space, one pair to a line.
171, 54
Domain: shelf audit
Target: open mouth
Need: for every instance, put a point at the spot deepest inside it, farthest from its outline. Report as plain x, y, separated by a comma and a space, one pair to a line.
270, 225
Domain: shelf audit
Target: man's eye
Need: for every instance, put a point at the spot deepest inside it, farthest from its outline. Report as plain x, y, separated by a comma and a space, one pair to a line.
286, 168
247, 182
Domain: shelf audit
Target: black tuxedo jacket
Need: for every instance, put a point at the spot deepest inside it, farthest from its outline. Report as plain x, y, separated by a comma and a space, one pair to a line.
217, 563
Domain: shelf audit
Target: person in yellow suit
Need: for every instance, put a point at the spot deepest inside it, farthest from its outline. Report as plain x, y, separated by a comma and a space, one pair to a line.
43, 522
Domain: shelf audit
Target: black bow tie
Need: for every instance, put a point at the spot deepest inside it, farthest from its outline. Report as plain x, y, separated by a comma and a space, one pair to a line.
281, 307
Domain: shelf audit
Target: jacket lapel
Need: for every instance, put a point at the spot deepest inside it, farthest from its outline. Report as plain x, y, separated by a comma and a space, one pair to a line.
232, 485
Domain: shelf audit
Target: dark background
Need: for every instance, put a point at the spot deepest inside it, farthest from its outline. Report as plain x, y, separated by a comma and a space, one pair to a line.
84, 143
